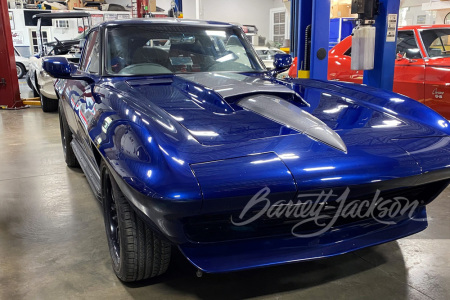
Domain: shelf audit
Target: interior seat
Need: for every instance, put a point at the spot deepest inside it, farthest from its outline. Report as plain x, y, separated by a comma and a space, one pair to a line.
193, 51
151, 55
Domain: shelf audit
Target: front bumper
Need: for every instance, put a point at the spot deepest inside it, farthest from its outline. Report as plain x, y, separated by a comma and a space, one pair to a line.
216, 245
46, 86
246, 254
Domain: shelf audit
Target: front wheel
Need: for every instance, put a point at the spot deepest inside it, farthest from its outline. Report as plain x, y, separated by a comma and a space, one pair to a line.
20, 70
136, 250
49, 105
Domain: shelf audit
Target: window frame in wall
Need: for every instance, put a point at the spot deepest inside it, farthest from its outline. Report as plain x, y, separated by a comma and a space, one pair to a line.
272, 23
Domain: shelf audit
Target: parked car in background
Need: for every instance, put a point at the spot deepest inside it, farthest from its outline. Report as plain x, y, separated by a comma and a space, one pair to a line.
267, 55
21, 64
422, 66
38, 80
176, 143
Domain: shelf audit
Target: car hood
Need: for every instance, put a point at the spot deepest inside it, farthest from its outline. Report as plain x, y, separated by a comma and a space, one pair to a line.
230, 108
205, 124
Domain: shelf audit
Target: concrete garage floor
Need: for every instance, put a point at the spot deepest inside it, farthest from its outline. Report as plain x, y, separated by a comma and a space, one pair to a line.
53, 244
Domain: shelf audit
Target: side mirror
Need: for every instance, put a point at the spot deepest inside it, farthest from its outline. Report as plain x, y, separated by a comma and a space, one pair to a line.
60, 67
400, 56
281, 62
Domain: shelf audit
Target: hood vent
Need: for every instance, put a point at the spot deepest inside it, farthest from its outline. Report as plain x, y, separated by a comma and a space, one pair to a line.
289, 115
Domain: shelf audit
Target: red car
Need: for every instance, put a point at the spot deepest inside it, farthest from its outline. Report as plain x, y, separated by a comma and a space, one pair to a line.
422, 67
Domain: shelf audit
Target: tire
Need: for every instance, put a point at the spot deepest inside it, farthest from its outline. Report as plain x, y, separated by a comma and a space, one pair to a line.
30, 85
137, 252
66, 138
48, 105
20, 70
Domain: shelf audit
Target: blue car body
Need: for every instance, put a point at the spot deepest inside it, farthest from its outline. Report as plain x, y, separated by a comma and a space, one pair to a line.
188, 158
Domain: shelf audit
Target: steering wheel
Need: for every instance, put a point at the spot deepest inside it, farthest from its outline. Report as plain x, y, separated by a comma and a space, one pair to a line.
58, 44
58, 41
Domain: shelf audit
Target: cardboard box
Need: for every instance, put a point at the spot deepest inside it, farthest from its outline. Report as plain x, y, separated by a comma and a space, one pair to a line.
152, 5
341, 11
74, 3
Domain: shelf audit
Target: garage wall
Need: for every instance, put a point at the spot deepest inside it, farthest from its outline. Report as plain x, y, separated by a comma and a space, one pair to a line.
440, 8
19, 32
411, 13
165, 4
252, 12
189, 8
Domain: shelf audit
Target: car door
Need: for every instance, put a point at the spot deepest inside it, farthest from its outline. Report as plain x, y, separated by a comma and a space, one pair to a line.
81, 102
409, 75
339, 63
436, 42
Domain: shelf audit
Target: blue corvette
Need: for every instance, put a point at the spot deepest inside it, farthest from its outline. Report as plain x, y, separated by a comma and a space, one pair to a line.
189, 141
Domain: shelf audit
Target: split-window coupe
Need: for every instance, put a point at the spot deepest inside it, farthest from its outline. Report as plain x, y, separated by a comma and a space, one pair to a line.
189, 142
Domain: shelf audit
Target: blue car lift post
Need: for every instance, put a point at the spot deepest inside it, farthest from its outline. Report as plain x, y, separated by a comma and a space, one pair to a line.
382, 76
179, 5
316, 13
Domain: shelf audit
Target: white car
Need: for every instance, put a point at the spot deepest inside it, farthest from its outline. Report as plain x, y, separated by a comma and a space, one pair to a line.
21, 64
267, 55
38, 80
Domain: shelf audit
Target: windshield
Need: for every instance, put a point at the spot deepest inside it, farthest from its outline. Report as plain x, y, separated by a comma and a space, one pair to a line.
168, 49
436, 42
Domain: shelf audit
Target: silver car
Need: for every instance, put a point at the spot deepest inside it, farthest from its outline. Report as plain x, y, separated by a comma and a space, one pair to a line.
21, 64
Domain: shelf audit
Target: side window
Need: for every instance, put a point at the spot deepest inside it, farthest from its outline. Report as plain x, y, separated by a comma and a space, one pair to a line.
91, 58
407, 45
94, 65
348, 52
233, 44
436, 41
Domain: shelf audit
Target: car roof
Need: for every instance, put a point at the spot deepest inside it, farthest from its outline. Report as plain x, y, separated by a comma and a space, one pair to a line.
148, 21
423, 27
61, 15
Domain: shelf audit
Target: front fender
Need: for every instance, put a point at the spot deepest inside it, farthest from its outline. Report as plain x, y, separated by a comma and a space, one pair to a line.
403, 107
139, 151
41, 81
382, 100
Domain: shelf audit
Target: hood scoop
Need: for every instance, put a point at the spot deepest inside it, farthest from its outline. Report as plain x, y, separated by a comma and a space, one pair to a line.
231, 86
287, 114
